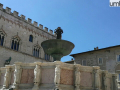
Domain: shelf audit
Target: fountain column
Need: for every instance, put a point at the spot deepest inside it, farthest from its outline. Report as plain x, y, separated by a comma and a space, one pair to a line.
114, 79
96, 78
77, 77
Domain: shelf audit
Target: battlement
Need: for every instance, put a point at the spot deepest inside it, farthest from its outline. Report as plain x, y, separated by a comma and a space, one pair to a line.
22, 17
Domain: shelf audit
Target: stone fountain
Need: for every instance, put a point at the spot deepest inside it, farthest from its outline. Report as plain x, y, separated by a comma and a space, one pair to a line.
56, 75
57, 48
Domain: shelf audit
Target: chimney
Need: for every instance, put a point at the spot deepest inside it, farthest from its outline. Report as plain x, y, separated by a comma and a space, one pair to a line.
96, 48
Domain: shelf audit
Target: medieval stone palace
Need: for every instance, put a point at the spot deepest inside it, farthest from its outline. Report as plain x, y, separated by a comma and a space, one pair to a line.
20, 40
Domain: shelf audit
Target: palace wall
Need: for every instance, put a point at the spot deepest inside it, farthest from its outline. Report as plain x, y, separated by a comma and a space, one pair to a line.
16, 26
16, 56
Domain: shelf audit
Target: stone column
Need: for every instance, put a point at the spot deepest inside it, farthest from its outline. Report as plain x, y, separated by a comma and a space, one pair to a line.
104, 76
96, 78
6, 78
77, 77
57, 75
37, 75
114, 81
17, 76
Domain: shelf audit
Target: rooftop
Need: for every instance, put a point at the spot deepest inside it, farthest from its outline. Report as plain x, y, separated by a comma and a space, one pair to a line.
95, 50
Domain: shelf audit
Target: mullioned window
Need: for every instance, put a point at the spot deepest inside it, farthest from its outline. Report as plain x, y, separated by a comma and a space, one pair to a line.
15, 43
36, 51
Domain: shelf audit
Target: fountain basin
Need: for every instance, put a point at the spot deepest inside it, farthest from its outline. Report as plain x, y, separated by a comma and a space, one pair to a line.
57, 48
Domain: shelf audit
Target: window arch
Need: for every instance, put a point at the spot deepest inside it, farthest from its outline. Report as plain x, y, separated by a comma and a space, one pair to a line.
36, 51
31, 38
47, 57
15, 43
2, 37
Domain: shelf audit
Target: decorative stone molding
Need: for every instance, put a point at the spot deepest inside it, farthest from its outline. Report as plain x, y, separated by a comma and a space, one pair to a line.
60, 75
67, 66
86, 69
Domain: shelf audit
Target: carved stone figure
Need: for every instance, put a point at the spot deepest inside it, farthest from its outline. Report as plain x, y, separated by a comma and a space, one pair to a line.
37, 74
77, 74
36, 78
57, 77
7, 62
17, 74
77, 79
6, 79
59, 32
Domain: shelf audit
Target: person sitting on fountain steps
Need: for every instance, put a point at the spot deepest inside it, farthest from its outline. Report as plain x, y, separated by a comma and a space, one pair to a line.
59, 32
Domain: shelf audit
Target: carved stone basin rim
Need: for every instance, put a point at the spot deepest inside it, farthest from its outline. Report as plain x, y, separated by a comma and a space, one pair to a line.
57, 48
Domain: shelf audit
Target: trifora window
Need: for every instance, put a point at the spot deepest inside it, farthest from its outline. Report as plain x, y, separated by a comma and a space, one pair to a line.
36, 51
2, 36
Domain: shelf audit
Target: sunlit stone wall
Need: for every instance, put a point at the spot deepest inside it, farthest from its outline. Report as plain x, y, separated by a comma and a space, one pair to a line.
55, 76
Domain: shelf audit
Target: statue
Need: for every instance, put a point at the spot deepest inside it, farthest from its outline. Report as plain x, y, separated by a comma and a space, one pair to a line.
58, 31
7, 62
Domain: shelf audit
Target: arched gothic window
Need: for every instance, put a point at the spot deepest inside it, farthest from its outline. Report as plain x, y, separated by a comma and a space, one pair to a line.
31, 38
15, 43
47, 57
2, 36
36, 51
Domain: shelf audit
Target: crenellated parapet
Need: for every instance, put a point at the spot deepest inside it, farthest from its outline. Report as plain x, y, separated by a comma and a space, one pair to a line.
55, 75
29, 29
23, 18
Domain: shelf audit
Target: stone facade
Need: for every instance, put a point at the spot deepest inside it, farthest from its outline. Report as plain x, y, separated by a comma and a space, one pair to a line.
108, 56
21, 39
55, 76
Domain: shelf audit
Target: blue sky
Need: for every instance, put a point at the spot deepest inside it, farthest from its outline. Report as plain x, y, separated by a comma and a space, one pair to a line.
86, 23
